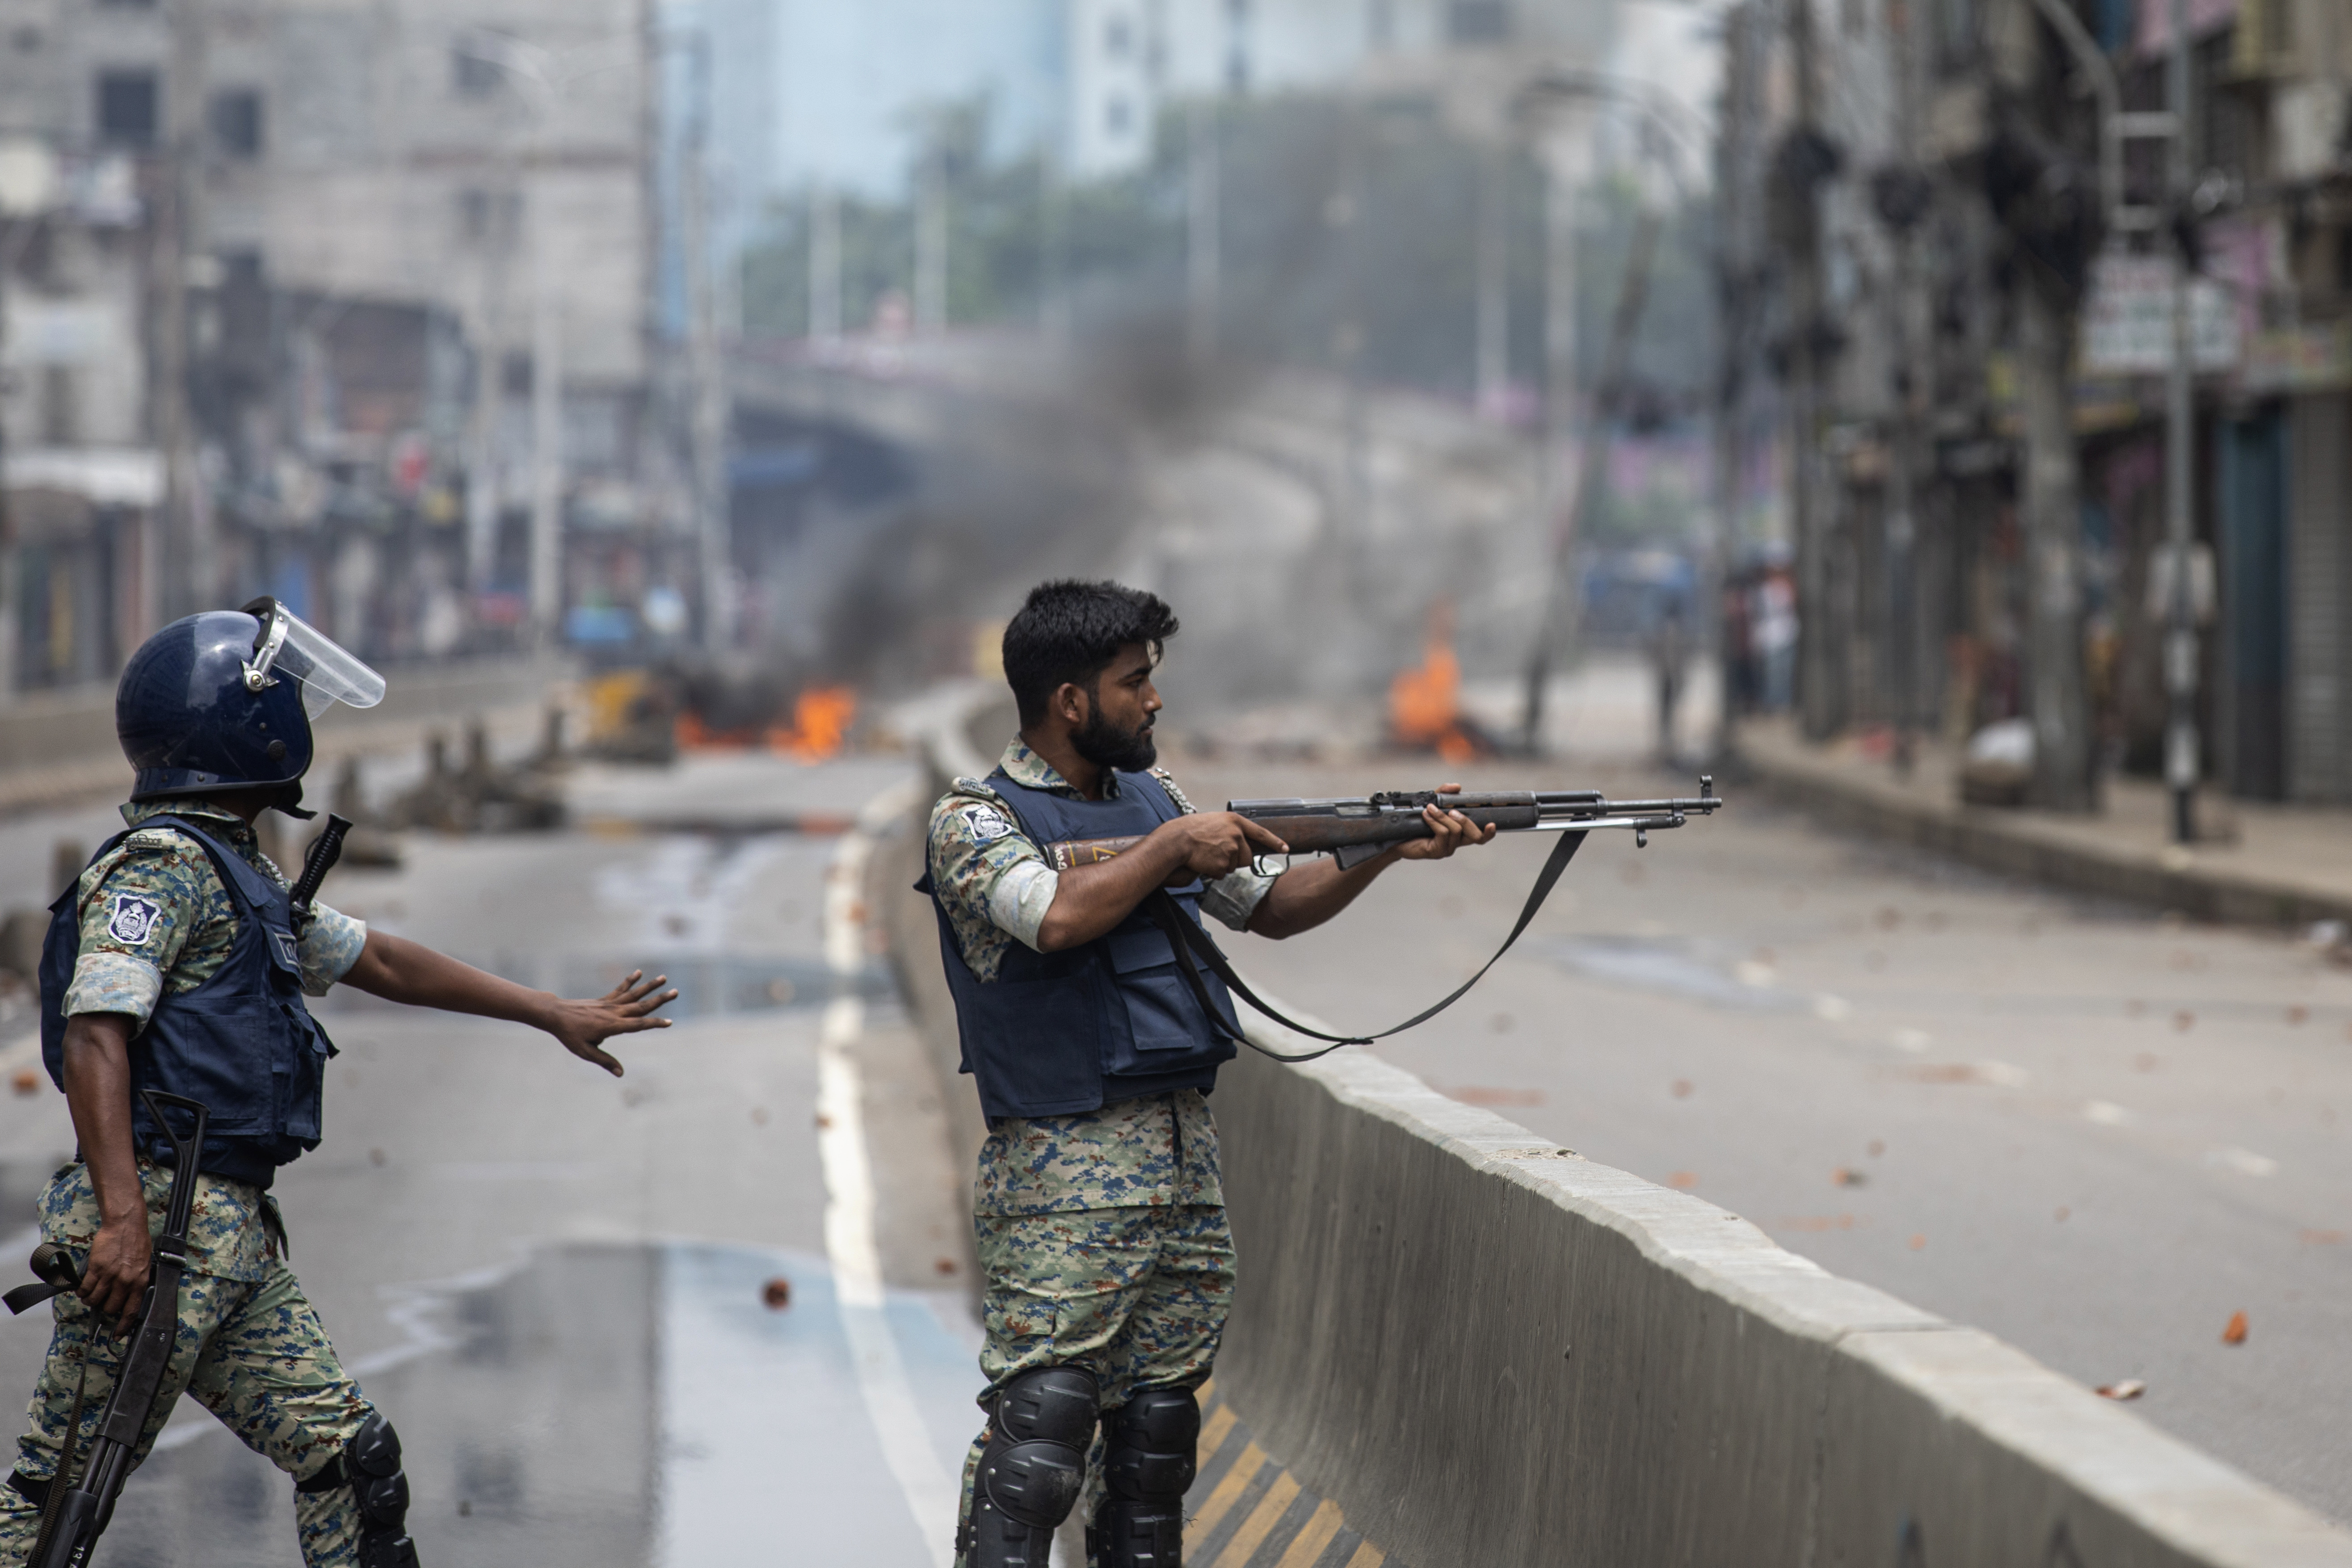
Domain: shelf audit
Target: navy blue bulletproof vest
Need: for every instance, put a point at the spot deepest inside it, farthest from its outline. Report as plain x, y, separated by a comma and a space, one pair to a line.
1059, 1033
243, 1042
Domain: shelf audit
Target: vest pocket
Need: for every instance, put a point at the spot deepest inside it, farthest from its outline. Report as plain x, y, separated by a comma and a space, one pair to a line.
1047, 1058
223, 1057
1161, 1012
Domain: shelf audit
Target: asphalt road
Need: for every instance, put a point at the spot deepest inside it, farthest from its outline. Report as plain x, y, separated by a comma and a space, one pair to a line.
556, 1283
2093, 1131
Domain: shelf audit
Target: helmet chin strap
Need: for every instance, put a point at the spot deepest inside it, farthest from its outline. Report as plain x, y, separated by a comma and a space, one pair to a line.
288, 799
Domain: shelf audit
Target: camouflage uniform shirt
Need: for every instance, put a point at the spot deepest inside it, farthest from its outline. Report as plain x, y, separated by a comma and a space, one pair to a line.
1156, 1150
156, 919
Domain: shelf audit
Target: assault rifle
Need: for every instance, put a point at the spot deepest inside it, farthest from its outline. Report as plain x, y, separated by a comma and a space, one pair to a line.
1352, 831
79, 1510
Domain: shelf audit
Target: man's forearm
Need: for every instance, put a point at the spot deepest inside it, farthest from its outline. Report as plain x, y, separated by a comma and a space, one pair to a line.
399, 970
1305, 896
1089, 902
97, 1095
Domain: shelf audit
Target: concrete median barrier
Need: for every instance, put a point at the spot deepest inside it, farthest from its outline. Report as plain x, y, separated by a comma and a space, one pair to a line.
1490, 1352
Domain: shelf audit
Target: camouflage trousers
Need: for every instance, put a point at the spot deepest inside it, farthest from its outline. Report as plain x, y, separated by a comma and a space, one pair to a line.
253, 1353
1136, 1296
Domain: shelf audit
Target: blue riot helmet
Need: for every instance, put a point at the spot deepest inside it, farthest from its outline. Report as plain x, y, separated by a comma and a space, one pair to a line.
223, 700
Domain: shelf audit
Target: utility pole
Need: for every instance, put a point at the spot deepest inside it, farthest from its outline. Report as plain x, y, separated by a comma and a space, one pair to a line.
932, 238
1203, 242
183, 575
709, 424
825, 262
1903, 196
1735, 257
1054, 250
1806, 159
2180, 743
1617, 364
1554, 508
1493, 243
546, 427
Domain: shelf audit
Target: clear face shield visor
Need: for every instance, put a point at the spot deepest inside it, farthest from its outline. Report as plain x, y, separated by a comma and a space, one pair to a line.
290, 648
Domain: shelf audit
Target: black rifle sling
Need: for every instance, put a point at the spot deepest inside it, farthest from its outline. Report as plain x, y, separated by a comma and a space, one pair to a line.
1189, 938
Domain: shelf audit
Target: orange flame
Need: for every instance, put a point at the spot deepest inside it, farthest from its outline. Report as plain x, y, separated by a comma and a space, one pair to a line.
820, 727
1425, 703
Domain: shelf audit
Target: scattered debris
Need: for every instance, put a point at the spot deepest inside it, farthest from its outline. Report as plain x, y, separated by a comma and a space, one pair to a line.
25, 1081
1682, 1180
2319, 1237
944, 1266
1683, 1087
758, 1116
2123, 1388
377, 1157
1502, 1023
2245, 1162
1918, 1242
777, 1294
482, 796
1847, 1176
1878, 1147
1998, 767
2235, 1333
370, 842
2062, 1214
2298, 1015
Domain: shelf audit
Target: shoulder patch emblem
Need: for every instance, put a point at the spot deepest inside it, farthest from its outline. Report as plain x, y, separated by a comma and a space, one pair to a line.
987, 824
134, 920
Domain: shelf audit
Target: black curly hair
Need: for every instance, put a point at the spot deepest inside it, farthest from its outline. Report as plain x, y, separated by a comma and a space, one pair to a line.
1069, 630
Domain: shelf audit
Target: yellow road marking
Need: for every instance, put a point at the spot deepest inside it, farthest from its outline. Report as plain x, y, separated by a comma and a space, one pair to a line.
1313, 1537
1219, 1427
1229, 1490
1260, 1523
1367, 1556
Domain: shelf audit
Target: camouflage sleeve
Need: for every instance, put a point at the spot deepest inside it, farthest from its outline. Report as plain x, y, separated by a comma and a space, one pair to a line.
138, 906
1233, 897
329, 948
991, 878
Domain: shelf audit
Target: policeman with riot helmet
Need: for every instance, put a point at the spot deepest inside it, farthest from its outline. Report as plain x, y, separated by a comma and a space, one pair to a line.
178, 965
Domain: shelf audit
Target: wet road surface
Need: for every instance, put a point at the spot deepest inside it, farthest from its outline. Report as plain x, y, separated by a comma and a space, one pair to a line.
2093, 1131
554, 1282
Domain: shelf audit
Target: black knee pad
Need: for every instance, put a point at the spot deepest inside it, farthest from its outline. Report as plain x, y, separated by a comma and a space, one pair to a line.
1033, 1467
1149, 1446
370, 1465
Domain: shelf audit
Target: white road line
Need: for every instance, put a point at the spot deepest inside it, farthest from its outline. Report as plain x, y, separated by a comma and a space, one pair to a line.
849, 1241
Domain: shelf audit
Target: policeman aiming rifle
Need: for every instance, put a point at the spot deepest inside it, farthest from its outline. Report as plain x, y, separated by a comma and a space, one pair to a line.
175, 978
1070, 886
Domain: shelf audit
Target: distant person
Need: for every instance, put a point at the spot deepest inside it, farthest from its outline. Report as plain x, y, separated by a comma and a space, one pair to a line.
177, 964
1774, 618
1669, 656
1098, 1213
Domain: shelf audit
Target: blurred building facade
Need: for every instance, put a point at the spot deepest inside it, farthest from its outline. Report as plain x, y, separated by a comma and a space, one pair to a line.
1927, 244
344, 303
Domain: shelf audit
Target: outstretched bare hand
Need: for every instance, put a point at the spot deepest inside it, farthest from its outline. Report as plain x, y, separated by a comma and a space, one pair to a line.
626, 1009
